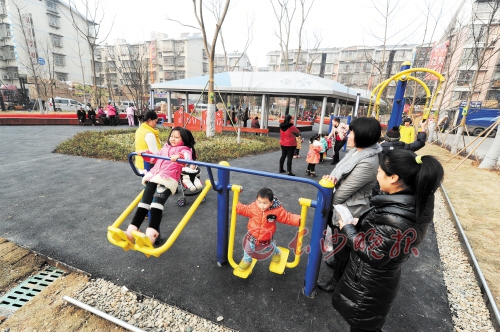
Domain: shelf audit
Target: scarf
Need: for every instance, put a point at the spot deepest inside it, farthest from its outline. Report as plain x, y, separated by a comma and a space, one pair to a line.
353, 157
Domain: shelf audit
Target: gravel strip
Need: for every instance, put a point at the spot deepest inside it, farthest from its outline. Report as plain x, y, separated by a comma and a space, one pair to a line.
143, 312
468, 310
469, 313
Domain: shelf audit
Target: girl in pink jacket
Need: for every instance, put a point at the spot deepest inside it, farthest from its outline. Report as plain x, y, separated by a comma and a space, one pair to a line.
313, 156
160, 182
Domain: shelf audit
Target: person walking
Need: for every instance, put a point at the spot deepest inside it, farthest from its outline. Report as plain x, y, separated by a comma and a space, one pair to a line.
398, 221
339, 134
130, 115
288, 132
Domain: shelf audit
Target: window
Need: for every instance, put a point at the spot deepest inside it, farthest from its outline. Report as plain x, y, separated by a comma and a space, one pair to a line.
179, 62
168, 45
124, 50
180, 76
169, 60
52, 6
56, 40
464, 77
59, 60
61, 77
53, 21
160, 55
179, 47
493, 95
9, 52
469, 57
91, 30
205, 67
460, 95
98, 67
477, 34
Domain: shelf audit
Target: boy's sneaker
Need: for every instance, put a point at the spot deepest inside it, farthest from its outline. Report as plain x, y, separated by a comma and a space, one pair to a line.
243, 266
276, 258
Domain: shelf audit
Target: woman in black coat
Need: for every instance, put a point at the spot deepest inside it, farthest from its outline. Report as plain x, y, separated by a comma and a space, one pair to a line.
385, 236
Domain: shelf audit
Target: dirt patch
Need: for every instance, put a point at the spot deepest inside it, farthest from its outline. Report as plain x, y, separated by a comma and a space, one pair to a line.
47, 311
474, 195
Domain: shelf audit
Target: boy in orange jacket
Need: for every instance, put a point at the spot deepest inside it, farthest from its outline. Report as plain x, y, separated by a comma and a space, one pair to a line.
263, 214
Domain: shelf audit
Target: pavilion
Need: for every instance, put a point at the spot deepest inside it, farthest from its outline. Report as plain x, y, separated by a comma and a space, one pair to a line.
268, 84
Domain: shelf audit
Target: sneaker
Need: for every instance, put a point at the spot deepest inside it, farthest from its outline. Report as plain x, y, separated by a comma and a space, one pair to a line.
313, 174
276, 258
244, 265
308, 172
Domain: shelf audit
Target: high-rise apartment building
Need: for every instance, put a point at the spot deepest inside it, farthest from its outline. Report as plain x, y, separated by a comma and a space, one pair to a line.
38, 38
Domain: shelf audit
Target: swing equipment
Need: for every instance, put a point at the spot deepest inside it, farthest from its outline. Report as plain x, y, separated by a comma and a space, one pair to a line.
278, 267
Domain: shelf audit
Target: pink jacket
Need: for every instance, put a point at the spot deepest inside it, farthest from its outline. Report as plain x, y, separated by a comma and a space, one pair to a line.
341, 130
111, 110
313, 154
166, 168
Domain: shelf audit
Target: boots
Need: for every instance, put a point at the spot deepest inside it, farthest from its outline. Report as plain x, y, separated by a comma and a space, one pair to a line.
329, 285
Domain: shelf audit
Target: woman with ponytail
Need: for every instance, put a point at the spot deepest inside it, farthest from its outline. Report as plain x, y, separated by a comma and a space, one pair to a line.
385, 236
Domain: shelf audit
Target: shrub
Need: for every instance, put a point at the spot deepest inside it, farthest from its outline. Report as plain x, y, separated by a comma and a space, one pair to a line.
117, 144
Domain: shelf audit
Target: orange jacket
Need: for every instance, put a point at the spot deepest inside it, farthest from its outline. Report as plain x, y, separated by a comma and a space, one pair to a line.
262, 224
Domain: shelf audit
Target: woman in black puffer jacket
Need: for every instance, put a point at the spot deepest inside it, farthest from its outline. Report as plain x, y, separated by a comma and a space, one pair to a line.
385, 236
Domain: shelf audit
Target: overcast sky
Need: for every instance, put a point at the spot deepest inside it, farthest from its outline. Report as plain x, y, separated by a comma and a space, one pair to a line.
338, 22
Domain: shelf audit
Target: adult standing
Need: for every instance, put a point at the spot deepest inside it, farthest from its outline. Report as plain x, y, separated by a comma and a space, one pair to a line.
339, 133
407, 132
130, 115
354, 177
147, 137
111, 114
398, 221
245, 117
288, 132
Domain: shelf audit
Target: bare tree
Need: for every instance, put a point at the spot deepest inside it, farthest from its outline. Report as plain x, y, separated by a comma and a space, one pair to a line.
484, 39
284, 15
198, 11
90, 31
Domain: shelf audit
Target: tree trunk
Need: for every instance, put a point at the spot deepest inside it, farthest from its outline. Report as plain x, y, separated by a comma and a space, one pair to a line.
491, 158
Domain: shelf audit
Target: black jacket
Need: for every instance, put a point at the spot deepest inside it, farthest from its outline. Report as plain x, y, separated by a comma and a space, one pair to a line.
371, 278
417, 145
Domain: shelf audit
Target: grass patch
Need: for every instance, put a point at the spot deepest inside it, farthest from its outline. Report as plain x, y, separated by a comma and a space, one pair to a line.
117, 144
474, 193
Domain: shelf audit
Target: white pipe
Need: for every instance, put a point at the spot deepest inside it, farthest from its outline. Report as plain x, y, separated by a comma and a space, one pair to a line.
102, 314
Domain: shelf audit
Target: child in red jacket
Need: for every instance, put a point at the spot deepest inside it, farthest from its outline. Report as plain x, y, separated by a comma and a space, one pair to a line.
263, 214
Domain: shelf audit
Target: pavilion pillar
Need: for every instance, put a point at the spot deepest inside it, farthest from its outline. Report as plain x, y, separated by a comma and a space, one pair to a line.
296, 110
336, 107
169, 106
322, 118
263, 112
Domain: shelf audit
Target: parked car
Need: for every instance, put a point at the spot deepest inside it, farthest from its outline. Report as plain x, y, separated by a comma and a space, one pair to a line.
65, 104
124, 105
478, 120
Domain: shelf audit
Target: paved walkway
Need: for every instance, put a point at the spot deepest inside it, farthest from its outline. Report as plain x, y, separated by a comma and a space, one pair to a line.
61, 205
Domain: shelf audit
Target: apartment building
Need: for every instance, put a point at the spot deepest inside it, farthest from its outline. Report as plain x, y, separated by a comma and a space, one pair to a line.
235, 61
37, 38
466, 42
360, 67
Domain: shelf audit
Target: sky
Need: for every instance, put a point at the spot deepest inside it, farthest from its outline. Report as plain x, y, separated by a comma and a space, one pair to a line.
339, 23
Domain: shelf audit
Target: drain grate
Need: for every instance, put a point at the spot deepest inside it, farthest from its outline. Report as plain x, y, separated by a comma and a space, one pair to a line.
21, 294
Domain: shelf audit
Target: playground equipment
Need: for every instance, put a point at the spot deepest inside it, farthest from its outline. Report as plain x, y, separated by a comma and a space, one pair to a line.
278, 268
402, 77
322, 206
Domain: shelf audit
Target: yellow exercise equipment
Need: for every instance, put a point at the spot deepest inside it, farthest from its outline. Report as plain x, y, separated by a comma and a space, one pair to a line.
118, 237
280, 266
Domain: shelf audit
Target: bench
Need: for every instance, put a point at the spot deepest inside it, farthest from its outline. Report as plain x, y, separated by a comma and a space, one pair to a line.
246, 130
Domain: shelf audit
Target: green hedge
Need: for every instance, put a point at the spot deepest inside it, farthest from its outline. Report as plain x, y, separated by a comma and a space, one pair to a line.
117, 144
